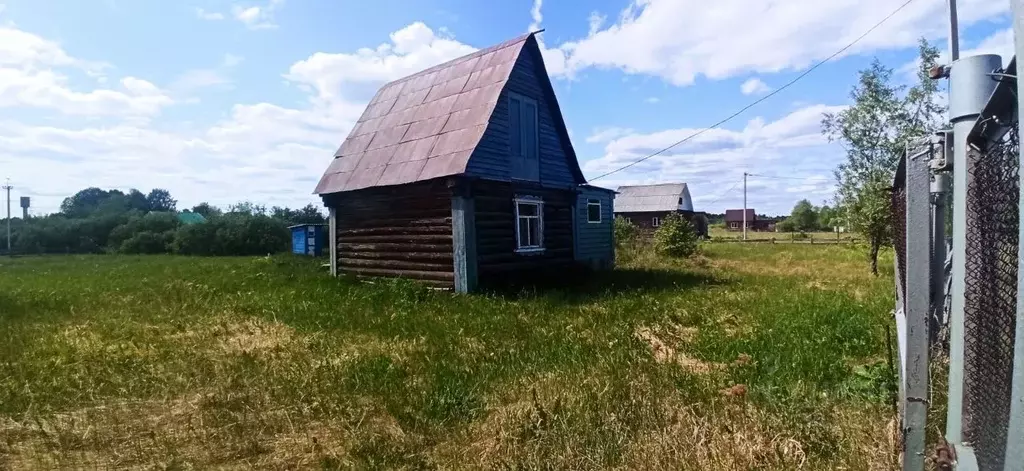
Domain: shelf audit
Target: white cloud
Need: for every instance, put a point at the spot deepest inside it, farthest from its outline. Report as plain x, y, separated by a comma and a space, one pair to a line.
263, 152
412, 48
676, 41
257, 16
554, 58
790, 146
209, 15
754, 86
536, 15
196, 79
607, 134
652, 100
31, 76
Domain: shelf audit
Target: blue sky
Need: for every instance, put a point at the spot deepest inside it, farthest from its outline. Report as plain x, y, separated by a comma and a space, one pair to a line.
225, 100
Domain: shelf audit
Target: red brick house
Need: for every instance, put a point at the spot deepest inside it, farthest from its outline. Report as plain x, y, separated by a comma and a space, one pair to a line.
734, 221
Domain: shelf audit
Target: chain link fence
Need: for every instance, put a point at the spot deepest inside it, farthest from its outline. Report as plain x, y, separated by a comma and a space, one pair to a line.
990, 297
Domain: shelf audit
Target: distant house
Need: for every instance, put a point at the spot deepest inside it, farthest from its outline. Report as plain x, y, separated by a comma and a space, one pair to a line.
462, 173
734, 221
647, 205
189, 217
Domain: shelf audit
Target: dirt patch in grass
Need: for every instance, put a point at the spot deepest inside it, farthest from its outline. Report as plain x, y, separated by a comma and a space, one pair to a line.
165, 434
663, 353
254, 335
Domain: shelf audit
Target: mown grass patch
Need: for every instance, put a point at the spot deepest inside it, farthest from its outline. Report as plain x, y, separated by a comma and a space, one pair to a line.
743, 357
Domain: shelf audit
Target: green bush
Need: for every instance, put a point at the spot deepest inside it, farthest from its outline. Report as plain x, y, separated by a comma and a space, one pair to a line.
786, 225
147, 242
233, 234
625, 231
155, 223
676, 237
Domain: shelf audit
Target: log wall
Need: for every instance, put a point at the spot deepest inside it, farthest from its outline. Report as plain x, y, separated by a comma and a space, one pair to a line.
496, 233
401, 231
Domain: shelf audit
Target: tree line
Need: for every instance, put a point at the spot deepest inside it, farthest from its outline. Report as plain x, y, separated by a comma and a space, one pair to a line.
806, 217
111, 221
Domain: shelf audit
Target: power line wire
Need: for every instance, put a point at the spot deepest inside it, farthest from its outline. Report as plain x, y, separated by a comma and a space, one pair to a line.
762, 99
724, 194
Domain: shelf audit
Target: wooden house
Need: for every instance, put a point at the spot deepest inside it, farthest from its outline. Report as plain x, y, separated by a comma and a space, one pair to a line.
734, 221
462, 173
647, 205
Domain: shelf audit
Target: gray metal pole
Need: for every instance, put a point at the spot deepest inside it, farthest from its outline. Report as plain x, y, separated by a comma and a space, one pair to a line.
940, 187
969, 90
1015, 433
954, 33
918, 302
744, 205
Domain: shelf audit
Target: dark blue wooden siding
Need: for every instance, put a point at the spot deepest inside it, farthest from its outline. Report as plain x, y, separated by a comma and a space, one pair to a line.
595, 243
491, 158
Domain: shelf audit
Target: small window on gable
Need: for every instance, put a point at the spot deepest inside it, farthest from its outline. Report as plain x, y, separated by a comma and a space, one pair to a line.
594, 211
529, 224
680, 201
655, 222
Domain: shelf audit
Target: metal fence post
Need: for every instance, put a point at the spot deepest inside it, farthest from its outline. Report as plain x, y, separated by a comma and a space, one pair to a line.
969, 90
918, 305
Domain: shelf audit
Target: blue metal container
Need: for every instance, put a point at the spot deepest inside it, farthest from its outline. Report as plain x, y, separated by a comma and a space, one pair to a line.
309, 239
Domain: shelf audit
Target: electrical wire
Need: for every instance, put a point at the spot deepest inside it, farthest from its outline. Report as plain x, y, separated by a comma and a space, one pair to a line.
762, 99
724, 194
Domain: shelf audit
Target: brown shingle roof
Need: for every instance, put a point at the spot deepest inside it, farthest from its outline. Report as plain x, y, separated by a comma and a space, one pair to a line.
425, 125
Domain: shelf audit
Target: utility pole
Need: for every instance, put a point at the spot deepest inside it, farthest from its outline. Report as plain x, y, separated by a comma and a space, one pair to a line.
954, 33
8, 187
745, 205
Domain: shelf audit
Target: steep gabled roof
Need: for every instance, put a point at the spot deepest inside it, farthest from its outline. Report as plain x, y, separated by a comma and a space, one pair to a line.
662, 197
736, 215
427, 125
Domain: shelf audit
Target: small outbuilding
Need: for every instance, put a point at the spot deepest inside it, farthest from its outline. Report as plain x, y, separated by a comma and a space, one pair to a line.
462, 173
308, 239
647, 205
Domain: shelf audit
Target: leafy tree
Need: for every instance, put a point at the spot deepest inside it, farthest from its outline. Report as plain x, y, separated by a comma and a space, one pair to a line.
676, 237
875, 131
160, 200
826, 216
207, 210
310, 214
804, 217
83, 203
625, 231
249, 208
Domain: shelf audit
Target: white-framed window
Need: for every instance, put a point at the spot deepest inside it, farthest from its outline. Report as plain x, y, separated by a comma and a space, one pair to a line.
734, 225
655, 222
529, 224
594, 211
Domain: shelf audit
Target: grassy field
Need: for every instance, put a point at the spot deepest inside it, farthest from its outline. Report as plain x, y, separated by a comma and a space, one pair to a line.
719, 234
748, 356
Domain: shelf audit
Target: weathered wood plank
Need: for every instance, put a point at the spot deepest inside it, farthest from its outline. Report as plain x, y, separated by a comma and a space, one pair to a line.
395, 247
394, 264
398, 238
414, 274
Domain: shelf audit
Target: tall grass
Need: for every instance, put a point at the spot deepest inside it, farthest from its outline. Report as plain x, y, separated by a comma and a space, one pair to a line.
744, 357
